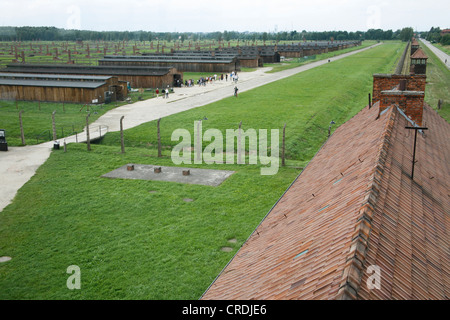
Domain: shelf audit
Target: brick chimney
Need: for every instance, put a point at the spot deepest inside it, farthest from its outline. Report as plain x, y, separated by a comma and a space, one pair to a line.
404, 91
410, 102
383, 82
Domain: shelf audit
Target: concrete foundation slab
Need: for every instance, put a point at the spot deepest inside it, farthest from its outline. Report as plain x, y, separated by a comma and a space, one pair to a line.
205, 177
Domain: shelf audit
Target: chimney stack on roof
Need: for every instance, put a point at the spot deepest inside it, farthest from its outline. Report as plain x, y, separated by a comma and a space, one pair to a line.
406, 91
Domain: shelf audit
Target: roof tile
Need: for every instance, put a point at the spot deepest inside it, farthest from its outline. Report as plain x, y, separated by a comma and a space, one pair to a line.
374, 215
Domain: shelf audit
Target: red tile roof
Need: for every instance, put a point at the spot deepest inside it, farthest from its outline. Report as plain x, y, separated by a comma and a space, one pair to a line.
419, 54
354, 206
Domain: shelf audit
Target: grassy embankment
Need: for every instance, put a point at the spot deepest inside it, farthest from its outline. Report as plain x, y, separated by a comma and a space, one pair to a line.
306, 102
446, 49
438, 84
131, 243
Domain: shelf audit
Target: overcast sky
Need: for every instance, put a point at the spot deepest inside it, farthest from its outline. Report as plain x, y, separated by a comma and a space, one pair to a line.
230, 15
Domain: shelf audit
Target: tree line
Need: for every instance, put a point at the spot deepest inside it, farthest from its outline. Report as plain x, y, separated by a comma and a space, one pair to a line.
435, 35
58, 34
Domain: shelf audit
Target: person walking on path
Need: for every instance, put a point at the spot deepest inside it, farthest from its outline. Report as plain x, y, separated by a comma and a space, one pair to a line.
157, 92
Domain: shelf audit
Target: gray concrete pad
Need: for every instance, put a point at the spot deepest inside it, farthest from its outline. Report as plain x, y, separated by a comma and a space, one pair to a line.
204, 177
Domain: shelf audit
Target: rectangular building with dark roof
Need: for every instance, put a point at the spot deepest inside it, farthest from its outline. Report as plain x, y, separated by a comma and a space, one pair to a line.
60, 88
137, 77
197, 63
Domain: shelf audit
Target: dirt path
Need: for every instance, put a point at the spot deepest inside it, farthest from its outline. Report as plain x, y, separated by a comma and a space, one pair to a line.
19, 164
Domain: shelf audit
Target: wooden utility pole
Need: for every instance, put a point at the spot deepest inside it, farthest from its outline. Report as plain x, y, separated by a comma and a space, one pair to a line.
159, 139
22, 135
283, 163
198, 145
239, 146
122, 143
54, 125
88, 139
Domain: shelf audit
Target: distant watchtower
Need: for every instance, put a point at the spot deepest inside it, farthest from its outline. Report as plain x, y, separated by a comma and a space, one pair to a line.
418, 62
414, 46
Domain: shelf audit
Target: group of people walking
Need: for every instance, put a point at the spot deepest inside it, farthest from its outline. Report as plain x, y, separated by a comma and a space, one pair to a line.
201, 82
164, 92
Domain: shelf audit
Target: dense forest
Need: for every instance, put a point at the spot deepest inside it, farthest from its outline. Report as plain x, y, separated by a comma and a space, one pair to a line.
57, 34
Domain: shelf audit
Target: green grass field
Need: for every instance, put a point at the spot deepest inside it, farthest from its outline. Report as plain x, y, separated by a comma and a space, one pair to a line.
131, 243
306, 102
36, 116
297, 62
